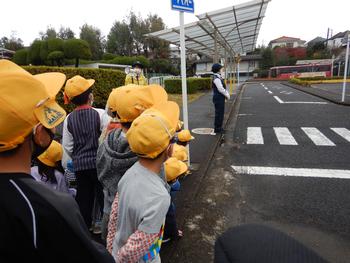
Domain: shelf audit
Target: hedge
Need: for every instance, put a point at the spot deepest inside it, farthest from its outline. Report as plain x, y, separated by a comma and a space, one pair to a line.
193, 85
105, 81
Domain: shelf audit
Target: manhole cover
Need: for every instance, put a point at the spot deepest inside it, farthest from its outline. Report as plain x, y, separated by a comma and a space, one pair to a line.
203, 131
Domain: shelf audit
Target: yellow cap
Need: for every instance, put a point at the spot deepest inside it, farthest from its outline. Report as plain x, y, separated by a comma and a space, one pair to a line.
185, 136
151, 132
131, 100
52, 155
180, 152
77, 85
174, 168
26, 100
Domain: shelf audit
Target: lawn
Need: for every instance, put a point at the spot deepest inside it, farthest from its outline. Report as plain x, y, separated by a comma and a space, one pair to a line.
191, 97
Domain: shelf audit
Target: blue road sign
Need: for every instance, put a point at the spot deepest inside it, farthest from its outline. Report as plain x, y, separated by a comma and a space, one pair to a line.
183, 5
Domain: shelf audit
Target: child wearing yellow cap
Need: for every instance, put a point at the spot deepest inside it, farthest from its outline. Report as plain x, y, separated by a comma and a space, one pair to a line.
49, 169
138, 212
184, 137
114, 156
173, 170
35, 221
81, 131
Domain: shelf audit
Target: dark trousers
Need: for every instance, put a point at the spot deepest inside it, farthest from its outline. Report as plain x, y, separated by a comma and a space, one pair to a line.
170, 228
219, 104
88, 187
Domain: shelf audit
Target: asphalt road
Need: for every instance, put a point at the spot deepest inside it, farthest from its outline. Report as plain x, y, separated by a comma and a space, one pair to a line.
281, 131
274, 131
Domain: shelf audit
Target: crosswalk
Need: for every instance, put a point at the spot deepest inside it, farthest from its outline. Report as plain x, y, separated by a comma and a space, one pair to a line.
285, 136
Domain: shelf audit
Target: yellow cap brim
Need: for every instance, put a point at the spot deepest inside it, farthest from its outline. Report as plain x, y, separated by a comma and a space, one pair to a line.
183, 167
45, 161
52, 81
50, 114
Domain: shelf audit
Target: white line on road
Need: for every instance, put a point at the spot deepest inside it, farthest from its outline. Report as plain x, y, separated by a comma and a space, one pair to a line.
343, 132
278, 99
270, 92
317, 137
265, 88
254, 135
298, 102
300, 172
245, 114
283, 91
284, 136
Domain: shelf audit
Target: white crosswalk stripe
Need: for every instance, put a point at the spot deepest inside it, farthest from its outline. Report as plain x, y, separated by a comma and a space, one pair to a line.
343, 132
317, 137
284, 136
254, 135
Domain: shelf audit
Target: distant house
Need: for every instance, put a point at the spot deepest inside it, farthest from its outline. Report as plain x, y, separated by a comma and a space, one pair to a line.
290, 42
338, 40
6, 53
315, 41
248, 64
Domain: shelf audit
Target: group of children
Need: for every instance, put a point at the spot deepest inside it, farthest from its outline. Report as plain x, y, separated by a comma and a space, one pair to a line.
127, 158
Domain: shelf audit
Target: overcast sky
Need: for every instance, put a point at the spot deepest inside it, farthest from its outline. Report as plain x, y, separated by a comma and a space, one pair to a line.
305, 19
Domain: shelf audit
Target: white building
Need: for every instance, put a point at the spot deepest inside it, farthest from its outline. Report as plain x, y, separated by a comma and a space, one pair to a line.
248, 64
338, 40
284, 41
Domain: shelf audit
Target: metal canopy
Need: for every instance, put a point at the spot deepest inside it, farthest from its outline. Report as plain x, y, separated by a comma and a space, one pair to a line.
228, 31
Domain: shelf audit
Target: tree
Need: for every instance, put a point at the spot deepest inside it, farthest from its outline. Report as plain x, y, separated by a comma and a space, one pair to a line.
20, 57
157, 48
12, 43
54, 44
56, 56
77, 49
267, 58
119, 39
65, 33
34, 53
93, 36
44, 51
50, 33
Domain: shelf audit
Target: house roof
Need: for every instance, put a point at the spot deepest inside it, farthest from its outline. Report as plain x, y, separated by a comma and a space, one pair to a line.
316, 40
285, 39
339, 35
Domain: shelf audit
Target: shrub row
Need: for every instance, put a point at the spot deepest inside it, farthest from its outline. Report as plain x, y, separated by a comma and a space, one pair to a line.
193, 85
105, 81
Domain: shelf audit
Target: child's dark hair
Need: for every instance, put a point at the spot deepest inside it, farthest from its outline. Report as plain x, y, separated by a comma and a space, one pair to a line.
126, 125
47, 173
82, 98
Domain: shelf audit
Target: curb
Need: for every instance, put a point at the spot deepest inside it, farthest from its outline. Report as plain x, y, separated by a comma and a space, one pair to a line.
297, 87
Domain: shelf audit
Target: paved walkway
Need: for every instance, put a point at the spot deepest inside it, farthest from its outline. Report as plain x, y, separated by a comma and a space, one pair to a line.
201, 115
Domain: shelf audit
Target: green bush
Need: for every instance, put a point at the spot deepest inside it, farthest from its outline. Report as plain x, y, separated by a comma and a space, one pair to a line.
77, 49
193, 85
124, 60
108, 56
105, 81
56, 56
20, 57
320, 78
299, 82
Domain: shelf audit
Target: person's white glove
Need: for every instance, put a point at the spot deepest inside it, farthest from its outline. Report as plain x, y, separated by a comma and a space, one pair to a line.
227, 96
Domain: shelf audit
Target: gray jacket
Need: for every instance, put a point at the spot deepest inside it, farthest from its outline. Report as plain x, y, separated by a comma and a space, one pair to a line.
114, 158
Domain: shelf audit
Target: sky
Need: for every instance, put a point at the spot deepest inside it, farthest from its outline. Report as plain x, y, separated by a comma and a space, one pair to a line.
305, 19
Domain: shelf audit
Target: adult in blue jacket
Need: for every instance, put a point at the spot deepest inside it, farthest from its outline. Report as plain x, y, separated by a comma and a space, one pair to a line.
220, 94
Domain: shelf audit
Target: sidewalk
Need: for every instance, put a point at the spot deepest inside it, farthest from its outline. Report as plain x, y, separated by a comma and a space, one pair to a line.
329, 92
202, 149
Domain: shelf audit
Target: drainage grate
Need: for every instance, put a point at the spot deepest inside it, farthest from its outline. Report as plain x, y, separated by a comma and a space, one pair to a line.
203, 131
